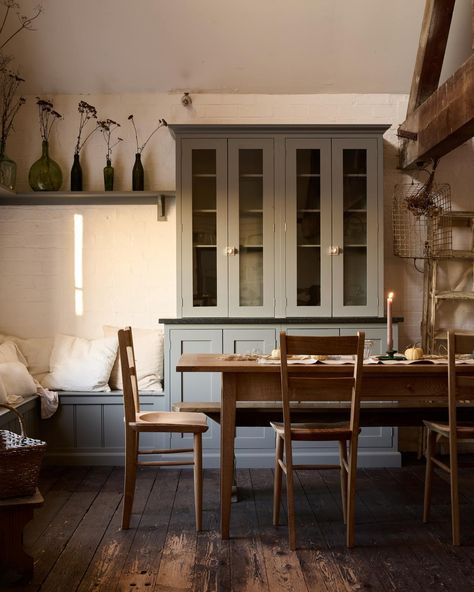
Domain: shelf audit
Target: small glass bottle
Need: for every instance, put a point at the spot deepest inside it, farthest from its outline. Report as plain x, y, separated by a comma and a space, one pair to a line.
109, 176
138, 174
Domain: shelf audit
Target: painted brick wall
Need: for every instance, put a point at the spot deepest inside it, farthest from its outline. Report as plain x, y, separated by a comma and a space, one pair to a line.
129, 257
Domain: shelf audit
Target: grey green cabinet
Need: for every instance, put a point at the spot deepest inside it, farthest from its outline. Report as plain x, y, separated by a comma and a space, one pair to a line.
279, 221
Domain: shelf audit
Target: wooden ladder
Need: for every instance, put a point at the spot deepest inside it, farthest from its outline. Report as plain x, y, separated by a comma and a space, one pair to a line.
433, 296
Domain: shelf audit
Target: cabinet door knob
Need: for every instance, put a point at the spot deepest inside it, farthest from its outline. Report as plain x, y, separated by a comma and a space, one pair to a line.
335, 250
230, 251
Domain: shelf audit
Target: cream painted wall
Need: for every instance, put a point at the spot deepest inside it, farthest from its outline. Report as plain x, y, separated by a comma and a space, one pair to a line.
129, 257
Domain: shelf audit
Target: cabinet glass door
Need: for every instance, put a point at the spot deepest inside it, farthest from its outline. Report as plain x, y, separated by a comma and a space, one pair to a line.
204, 273
355, 227
308, 229
250, 228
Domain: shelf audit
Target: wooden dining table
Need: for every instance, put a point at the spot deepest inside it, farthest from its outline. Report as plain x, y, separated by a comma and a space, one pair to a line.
392, 395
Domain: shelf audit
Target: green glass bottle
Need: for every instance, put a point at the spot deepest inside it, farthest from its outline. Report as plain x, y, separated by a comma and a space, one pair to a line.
45, 174
138, 174
109, 176
7, 169
76, 174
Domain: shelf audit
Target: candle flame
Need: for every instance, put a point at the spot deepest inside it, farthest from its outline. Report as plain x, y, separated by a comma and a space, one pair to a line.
390, 296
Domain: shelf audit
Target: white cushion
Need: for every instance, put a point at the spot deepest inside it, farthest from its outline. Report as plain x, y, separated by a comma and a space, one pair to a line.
9, 352
36, 350
16, 379
79, 364
148, 346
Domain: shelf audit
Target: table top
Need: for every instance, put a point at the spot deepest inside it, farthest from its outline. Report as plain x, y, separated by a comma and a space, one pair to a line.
217, 363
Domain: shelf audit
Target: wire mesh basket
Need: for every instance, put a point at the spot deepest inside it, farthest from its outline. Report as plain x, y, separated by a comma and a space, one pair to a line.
421, 228
20, 461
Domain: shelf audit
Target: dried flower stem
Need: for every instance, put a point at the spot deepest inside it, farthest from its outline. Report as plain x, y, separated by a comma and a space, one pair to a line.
107, 127
25, 21
87, 112
161, 123
10, 104
47, 117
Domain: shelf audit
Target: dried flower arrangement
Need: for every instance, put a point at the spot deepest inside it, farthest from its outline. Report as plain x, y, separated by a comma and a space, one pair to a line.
47, 117
107, 127
86, 112
10, 82
161, 123
10, 103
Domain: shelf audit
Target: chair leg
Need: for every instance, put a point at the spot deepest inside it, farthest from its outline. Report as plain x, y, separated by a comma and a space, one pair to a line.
430, 451
277, 480
453, 476
290, 499
198, 480
350, 529
343, 461
131, 447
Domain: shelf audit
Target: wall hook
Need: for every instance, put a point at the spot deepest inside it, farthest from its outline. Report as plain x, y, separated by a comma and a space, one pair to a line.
186, 100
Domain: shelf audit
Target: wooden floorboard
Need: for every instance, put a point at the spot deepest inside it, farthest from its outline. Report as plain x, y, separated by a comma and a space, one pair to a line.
78, 545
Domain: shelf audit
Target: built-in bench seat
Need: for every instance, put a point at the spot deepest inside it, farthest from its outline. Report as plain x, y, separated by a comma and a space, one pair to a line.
386, 413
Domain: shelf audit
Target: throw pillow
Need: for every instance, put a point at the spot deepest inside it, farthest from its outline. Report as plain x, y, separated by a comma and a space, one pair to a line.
9, 352
148, 346
36, 350
16, 379
79, 364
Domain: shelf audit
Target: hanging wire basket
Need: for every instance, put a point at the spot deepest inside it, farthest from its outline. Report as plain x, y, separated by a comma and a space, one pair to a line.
420, 216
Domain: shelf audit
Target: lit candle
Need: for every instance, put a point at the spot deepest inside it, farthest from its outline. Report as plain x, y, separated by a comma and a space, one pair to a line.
389, 322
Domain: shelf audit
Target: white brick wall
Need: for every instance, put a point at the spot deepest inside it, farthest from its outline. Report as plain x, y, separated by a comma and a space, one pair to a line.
129, 257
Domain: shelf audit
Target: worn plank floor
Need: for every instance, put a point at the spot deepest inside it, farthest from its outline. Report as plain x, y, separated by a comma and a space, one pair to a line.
77, 544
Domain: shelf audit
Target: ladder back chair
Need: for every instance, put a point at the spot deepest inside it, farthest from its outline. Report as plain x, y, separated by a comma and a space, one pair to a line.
137, 421
315, 386
459, 388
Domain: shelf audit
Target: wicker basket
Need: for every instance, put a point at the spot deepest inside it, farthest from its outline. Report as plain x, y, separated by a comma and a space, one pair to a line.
20, 461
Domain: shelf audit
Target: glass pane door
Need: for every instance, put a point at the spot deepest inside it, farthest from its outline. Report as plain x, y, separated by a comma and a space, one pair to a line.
204, 227
251, 227
354, 171
308, 227
355, 226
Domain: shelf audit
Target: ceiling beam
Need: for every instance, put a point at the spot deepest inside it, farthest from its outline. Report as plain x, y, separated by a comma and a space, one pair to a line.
431, 50
444, 121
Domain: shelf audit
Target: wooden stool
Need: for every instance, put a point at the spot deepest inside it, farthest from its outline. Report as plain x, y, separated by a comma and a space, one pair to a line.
15, 513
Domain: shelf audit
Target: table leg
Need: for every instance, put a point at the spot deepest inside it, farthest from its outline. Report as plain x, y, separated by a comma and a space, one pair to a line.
228, 398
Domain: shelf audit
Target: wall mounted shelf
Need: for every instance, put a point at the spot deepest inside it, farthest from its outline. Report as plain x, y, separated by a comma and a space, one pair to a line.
83, 198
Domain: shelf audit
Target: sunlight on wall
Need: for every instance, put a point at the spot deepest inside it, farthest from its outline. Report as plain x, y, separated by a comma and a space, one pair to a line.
78, 265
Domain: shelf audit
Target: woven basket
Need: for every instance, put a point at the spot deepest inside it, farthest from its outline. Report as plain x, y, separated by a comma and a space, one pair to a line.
20, 461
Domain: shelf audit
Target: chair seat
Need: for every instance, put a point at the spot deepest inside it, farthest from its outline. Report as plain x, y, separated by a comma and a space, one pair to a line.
315, 431
171, 420
463, 430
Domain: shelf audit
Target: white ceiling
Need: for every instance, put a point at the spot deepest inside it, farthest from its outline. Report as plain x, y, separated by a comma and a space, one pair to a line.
231, 46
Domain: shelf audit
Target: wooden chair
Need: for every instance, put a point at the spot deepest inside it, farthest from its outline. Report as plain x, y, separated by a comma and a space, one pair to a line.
137, 421
309, 386
459, 387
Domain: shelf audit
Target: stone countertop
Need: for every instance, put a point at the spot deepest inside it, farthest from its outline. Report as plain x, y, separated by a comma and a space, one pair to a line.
280, 321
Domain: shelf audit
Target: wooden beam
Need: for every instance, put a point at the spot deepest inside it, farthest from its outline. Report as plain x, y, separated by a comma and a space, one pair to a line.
431, 49
444, 121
